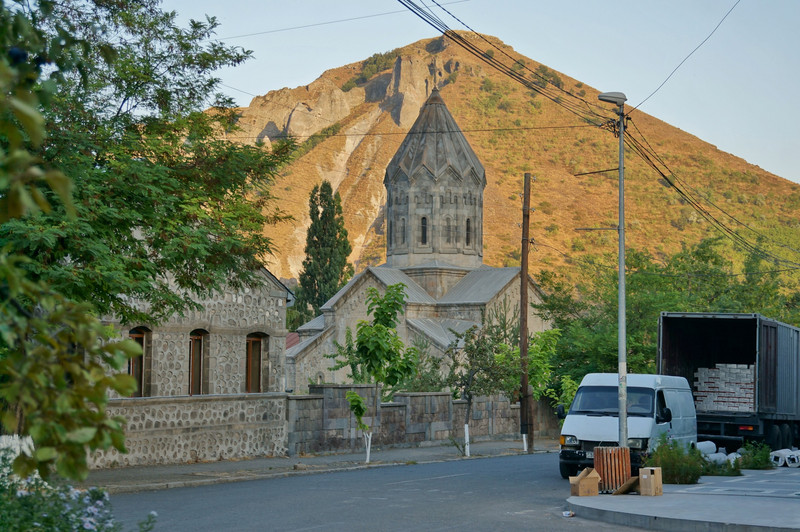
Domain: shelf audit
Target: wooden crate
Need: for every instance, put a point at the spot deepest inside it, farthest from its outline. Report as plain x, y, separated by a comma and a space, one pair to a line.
614, 466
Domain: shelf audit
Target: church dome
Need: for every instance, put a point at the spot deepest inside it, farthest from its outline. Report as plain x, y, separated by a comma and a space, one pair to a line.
434, 194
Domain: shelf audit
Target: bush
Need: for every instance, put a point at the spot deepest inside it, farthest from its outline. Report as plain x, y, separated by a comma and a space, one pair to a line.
725, 469
678, 464
33, 504
755, 455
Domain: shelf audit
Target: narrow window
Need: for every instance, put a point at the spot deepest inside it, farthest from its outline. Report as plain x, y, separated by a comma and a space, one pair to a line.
253, 363
447, 231
389, 233
197, 339
403, 231
136, 365
469, 232
424, 227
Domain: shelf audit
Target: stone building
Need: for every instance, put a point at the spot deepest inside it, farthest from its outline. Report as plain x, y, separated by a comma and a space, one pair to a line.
434, 245
211, 383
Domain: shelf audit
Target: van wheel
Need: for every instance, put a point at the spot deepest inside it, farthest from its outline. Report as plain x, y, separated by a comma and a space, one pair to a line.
773, 438
786, 436
567, 470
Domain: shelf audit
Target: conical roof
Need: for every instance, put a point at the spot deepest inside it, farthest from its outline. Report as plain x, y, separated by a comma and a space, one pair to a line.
435, 143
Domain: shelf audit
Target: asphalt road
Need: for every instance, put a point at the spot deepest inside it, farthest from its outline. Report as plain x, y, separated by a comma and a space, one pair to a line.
523, 492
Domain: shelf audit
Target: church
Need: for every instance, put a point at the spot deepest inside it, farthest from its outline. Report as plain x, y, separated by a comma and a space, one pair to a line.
434, 246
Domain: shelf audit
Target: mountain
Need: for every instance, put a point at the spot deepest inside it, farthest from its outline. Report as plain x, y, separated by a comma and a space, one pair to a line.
352, 119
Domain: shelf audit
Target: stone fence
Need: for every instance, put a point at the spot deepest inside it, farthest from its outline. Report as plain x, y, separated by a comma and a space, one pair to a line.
321, 421
173, 430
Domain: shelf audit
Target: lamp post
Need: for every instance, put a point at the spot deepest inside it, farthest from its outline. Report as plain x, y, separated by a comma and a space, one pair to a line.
618, 99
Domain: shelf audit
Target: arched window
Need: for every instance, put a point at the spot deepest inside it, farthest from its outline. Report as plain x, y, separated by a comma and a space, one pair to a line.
424, 231
256, 345
448, 231
136, 366
402, 230
198, 339
468, 237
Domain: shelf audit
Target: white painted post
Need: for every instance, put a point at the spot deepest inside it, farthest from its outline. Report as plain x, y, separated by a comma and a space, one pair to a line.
466, 440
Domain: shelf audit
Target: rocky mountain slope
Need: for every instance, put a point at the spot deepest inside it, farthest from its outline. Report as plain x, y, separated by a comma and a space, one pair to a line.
350, 135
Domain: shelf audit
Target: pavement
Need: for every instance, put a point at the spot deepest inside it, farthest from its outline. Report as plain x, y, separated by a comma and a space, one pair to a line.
758, 500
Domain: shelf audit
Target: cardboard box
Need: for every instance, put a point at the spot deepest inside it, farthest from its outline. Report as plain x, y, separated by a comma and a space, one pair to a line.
650, 481
586, 484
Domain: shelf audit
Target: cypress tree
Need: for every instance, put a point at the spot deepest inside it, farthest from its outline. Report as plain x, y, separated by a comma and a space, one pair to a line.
325, 268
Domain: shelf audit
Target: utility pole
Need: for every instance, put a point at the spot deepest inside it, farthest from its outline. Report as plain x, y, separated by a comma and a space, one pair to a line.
526, 399
618, 99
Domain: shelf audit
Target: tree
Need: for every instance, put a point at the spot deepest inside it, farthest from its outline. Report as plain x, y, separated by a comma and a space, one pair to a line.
54, 355
380, 354
705, 277
165, 211
325, 268
480, 363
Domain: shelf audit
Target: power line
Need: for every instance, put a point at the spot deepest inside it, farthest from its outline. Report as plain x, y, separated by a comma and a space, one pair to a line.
688, 56
325, 23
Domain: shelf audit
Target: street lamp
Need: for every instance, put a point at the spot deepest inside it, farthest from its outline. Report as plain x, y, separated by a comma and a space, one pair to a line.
618, 99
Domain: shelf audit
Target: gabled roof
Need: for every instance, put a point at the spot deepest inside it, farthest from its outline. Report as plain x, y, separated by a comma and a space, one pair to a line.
435, 143
387, 276
440, 331
317, 324
480, 286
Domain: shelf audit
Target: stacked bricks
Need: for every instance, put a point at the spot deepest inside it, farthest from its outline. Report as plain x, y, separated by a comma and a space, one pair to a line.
725, 388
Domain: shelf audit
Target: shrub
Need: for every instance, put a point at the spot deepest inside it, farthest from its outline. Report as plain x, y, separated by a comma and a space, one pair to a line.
489, 53
678, 464
33, 504
725, 469
755, 455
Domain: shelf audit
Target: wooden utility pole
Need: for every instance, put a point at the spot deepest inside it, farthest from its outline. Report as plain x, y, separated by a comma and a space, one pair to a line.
526, 398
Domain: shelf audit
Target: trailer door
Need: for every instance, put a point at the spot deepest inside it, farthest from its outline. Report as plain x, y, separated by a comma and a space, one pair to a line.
768, 368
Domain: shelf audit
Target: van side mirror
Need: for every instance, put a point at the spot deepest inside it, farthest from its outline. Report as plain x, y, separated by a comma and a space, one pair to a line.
666, 417
560, 412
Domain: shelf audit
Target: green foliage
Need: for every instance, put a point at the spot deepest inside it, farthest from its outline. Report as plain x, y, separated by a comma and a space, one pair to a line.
55, 377
489, 53
346, 356
129, 130
725, 469
358, 408
325, 268
314, 140
697, 279
381, 352
544, 75
756, 455
32, 504
427, 376
678, 464
480, 361
379, 355
374, 64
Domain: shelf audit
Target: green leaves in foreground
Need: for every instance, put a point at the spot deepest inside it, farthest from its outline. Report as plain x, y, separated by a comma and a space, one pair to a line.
56, 369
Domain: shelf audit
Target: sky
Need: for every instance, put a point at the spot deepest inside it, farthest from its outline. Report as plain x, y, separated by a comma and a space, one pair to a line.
738, 91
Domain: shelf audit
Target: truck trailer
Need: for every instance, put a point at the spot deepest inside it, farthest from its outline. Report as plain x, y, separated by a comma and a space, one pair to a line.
744, 371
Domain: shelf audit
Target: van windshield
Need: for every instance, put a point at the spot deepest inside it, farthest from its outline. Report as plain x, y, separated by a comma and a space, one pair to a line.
604, 401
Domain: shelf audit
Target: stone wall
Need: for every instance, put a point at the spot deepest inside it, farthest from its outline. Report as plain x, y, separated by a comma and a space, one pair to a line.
321, 420
170, 430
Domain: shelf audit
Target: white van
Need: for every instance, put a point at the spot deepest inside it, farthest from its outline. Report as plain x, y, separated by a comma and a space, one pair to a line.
656, 404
